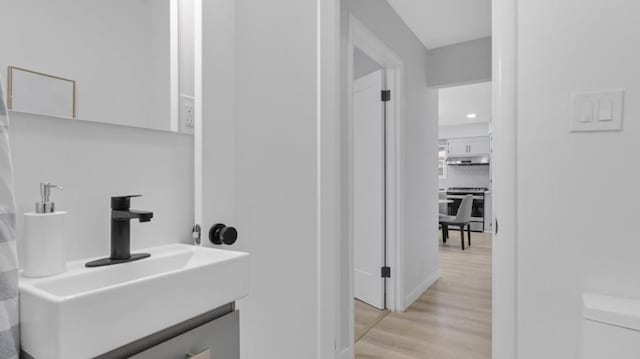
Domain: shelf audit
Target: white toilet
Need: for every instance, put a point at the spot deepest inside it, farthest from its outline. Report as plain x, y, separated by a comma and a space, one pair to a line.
610, 328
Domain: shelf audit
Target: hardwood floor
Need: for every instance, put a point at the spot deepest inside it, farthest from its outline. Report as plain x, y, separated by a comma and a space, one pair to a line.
366, 318
452, 320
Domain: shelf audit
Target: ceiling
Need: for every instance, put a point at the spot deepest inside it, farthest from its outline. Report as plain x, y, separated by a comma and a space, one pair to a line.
455, 103
440, 23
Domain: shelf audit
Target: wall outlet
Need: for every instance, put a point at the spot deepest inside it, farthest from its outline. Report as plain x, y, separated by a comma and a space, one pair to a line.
187, 114
188, 120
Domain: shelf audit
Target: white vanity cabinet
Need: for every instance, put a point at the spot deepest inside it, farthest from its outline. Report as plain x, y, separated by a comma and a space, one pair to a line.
469, 146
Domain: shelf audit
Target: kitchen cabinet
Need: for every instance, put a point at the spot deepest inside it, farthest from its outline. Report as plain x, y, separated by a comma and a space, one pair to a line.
469, 146
458, 147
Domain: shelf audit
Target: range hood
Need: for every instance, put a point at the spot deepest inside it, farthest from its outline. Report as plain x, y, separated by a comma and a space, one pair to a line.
468, 161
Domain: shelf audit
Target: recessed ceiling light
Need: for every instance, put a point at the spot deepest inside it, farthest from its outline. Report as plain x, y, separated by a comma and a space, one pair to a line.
472, 115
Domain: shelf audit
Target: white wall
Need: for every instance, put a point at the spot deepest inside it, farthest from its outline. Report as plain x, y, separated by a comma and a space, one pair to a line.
276, 175
117, 51
458, 131
421, 134
457, 102
463, 63
575, 214
95, 161
466, 176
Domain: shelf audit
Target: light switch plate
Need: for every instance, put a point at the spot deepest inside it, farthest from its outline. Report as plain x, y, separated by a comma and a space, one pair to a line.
597, 111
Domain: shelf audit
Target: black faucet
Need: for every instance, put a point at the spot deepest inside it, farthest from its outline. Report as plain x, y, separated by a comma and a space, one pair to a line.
121, 216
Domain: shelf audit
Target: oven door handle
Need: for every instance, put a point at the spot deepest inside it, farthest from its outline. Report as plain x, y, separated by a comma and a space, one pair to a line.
461, 196
455, 196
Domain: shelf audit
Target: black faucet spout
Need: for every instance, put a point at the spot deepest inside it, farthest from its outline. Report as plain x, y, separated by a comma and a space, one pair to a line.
121, 216
142, 216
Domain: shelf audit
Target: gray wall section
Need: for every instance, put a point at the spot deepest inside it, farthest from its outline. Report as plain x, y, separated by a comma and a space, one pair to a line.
421, 144
458, 64
363, 64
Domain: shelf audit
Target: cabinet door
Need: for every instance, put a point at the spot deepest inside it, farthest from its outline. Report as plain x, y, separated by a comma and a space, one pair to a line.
221, 337
458, 147
478, 146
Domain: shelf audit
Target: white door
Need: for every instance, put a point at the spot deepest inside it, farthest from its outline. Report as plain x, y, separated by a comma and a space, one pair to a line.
368, 189
215, 154
256, 168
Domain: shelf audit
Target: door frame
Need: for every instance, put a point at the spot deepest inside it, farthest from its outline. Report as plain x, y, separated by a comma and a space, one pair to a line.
362, 38
328, 196
505, 177
505, 260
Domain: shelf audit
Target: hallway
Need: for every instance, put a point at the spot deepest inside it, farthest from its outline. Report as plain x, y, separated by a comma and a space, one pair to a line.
452, 320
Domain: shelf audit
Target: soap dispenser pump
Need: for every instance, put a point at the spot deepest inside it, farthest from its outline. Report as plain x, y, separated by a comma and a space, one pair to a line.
45, 205
44, 234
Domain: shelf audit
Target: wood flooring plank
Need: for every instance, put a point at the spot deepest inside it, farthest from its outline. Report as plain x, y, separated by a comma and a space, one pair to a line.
452, 320
366, 317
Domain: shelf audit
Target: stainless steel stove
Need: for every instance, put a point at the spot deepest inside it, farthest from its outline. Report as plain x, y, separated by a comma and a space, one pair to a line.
456, 194
467, 190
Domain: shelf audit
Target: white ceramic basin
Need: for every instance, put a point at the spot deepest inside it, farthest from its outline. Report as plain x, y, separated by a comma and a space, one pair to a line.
85, 312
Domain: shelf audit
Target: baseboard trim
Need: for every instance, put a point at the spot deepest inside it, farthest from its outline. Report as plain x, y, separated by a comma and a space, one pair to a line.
347, 353
420, 289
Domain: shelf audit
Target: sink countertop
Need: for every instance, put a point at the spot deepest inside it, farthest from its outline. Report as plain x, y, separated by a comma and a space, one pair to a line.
85, 312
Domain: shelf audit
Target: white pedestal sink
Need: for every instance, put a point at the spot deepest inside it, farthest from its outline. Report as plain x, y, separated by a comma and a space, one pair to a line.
86, 312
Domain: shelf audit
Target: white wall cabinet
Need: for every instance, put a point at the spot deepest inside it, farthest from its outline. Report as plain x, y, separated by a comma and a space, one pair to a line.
469, 146
458, 147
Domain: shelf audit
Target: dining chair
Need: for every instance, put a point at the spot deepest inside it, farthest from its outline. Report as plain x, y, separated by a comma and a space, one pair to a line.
443, 208
462, 219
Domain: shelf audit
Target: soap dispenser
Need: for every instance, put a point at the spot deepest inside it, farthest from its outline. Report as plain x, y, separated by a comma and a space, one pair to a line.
43, 240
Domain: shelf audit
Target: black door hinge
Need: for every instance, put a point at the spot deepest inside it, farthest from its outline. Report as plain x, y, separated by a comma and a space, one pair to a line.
386, 95
386, 272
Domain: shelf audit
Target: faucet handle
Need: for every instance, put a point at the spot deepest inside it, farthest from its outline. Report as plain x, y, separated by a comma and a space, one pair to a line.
122, 203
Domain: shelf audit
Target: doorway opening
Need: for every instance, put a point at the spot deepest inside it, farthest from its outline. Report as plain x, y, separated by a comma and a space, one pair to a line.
502, 263
465, 217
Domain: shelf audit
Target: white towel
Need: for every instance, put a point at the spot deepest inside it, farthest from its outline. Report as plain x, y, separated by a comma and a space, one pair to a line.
9, 321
